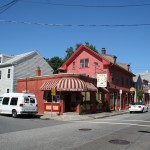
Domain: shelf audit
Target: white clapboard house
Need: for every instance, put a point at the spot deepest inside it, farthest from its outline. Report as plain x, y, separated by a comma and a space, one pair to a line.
20, 66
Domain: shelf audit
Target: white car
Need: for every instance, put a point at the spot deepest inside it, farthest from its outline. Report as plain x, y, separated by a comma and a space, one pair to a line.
138, 107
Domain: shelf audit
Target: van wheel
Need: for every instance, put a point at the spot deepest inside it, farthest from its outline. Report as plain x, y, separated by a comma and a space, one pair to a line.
14, 113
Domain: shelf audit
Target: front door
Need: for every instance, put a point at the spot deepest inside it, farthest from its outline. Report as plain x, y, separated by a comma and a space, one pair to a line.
68, 102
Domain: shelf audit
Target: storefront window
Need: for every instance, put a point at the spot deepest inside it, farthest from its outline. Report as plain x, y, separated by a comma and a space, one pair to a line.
86, 96
49, 98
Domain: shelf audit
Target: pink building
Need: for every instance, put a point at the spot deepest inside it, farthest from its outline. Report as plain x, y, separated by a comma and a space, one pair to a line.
116, 93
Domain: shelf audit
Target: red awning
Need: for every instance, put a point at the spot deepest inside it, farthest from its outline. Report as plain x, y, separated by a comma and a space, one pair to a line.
91, 87
68, 84
103, 88
49, 85
71, 84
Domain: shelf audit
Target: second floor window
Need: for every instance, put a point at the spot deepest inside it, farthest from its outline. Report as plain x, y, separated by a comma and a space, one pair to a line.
8, 73
73, 65
84, 63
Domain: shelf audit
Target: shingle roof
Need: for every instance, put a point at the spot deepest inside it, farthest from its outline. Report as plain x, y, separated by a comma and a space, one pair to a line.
146, 76
16, 58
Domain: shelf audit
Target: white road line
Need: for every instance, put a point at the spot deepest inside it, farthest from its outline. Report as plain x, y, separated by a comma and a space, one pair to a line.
118, 123
125, 120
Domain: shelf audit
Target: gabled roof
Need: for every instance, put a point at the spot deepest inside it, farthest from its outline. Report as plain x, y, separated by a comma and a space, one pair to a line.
135, 79
145, 75
109, 59
76, 53
16, 58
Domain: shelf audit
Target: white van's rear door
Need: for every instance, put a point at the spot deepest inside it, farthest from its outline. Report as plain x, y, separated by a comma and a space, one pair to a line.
30, 104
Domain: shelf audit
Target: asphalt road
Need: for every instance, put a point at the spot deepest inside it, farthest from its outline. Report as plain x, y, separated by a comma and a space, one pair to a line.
123, 132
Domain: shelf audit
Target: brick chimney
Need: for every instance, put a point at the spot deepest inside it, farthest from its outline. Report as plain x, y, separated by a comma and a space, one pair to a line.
103, 51
38, 71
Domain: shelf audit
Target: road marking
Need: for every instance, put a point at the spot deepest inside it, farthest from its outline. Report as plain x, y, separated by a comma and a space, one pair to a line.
130, 124
125, 120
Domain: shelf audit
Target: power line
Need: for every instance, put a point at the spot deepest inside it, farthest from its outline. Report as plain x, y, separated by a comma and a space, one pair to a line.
134, 5
7, 6
74, 25
98, 6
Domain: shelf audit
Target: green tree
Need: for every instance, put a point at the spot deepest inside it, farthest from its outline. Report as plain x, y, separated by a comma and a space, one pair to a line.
140, 94
69, 52
55, 63
92, 47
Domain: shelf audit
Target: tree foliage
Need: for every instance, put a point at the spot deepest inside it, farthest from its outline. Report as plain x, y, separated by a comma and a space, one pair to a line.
55, 63
140, 94
92, 47
71, 50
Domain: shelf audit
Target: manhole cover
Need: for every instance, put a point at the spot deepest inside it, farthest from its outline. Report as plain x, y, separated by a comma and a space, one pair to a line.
85, 129
121, 142
143, 131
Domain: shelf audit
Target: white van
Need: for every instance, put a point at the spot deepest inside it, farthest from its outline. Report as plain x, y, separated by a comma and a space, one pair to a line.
18, 103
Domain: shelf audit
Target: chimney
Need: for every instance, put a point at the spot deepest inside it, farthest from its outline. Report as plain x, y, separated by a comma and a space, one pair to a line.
38, 71
128, 67
103, 51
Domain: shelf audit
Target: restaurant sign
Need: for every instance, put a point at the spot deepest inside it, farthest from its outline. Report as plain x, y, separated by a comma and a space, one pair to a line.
101, 80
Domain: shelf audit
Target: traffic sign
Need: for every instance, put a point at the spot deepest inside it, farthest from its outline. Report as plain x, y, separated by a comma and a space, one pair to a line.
53, 91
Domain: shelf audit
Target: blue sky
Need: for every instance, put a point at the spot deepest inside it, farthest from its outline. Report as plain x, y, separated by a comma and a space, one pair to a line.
131, 44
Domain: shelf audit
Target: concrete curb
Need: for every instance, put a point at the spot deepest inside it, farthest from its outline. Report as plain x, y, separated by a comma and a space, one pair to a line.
82, 117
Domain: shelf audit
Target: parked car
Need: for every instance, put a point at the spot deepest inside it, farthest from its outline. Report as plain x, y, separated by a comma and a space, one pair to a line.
138, 107
18, 103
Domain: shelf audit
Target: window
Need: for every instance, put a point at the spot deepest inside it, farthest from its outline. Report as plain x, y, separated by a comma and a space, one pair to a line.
7, 91
5, 101
1, 99
0, 74
86, 96
8, 73
84, 63
14, 101
26, 100
73, 65
32, 100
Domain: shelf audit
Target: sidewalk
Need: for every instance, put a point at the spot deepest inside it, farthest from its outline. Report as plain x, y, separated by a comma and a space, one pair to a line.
72, 116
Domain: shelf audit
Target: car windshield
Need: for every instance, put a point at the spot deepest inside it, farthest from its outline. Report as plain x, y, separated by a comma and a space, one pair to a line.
138, 103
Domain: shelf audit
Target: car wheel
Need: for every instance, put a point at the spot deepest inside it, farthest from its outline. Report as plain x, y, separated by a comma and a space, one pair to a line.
143, 110
130, 112
14, 113
147, 110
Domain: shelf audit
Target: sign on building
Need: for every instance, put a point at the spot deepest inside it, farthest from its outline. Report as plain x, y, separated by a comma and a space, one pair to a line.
101, 80
53, 91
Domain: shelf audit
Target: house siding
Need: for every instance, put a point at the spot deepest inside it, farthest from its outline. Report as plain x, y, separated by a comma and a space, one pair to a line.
92, 70
24, 67
27, 67
6, 83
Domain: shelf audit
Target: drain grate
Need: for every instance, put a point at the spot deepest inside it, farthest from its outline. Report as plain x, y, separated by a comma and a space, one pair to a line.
121, 142
143, 131
85, 129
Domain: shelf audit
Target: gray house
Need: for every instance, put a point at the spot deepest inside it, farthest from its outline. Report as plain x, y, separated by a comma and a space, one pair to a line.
20, 66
